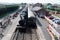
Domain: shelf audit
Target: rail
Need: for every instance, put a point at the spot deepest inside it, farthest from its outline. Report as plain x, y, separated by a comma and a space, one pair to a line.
15, 35
27, 36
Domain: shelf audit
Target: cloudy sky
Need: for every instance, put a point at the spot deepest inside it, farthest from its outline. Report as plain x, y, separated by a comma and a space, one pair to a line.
30, 1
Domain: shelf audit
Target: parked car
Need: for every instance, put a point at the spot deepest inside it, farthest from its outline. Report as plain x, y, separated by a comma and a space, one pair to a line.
51, 17
15, 15
57, 21
54, 19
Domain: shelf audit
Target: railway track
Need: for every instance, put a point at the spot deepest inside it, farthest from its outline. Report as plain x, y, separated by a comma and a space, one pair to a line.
30, 34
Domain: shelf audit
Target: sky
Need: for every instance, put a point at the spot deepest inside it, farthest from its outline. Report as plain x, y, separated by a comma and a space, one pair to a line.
30, 1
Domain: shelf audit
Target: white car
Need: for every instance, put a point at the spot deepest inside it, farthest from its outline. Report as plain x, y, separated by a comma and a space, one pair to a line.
57, 22
54, 19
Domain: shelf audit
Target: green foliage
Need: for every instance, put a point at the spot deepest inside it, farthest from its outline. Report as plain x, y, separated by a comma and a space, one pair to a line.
7, 10
57, 9
49, 7
55, 37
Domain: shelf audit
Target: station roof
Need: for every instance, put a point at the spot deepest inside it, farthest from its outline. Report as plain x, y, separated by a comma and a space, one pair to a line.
36, 8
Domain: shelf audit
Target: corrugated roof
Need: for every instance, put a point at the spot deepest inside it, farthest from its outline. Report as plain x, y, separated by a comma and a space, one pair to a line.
36, 8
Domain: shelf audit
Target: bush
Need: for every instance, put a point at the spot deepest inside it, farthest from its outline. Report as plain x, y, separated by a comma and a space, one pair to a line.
7, 10
55, 37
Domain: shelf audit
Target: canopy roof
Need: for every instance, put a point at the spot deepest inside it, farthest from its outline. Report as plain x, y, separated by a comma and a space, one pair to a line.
36, 8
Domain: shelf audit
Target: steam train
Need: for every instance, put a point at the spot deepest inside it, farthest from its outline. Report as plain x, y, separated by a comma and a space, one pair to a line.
29, 21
